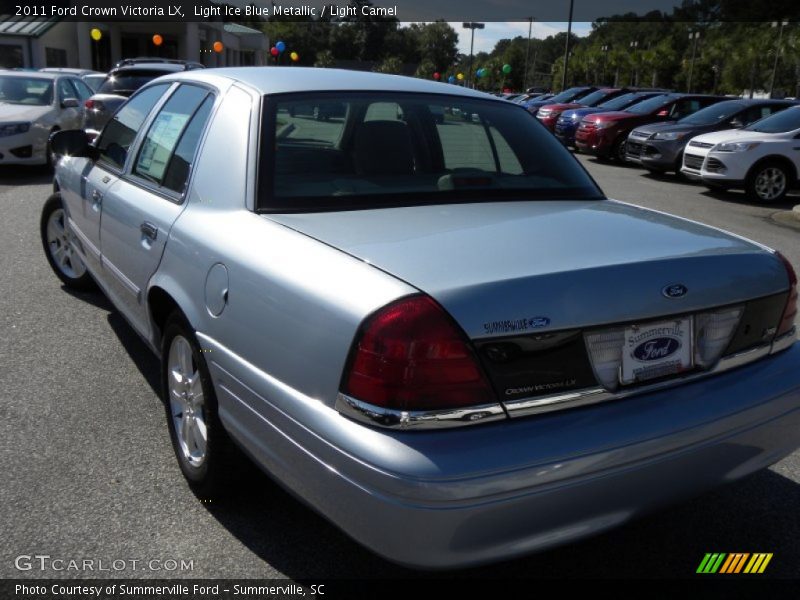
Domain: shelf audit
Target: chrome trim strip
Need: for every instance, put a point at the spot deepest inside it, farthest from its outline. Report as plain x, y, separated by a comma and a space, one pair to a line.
433, 419
85, 242
542, 404
127, 283
783, 342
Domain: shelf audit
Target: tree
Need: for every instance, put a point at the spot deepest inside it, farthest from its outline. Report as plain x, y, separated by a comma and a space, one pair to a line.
391, 64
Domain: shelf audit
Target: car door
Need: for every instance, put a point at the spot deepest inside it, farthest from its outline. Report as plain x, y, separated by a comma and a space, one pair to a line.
139, 210
86, 181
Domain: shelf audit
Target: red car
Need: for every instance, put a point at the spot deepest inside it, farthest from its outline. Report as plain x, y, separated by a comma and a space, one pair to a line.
549, 113
604, 134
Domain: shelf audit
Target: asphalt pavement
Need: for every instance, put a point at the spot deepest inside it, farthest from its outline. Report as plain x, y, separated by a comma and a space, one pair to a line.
88, 471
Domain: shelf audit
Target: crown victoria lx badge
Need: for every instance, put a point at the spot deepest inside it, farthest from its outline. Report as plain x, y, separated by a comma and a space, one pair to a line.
674, 290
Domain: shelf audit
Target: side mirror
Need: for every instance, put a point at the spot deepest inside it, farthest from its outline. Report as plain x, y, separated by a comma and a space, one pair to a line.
662, 113
70, 103
72, 142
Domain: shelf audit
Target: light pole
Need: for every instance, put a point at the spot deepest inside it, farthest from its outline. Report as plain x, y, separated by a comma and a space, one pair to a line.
566, 47
693, 35
782, 24
604, 50
634, 46
473, 26
527, 54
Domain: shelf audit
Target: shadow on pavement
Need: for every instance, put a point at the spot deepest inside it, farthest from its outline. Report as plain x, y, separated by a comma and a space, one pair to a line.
25, 175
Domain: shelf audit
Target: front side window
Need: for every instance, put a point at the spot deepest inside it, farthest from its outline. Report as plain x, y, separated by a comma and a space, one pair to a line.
168, 149
407, 149
650, 105
118, 135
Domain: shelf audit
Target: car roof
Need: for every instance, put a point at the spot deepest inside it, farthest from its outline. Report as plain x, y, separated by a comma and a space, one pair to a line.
150, 66
36, 74
284, 80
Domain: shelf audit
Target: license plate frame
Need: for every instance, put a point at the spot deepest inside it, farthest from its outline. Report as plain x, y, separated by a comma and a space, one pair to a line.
657, 349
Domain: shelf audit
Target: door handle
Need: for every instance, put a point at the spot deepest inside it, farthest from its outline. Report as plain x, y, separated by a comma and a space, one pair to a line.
97, 199
149, 230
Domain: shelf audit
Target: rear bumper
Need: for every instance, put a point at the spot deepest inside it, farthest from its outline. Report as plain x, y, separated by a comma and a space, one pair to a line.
458, 497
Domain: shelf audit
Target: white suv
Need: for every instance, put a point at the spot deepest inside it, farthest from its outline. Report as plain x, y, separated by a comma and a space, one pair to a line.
763, 158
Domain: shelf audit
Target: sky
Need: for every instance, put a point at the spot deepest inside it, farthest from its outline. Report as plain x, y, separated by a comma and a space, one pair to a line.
485, 39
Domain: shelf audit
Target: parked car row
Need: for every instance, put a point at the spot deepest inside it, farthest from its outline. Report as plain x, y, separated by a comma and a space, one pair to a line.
723, 142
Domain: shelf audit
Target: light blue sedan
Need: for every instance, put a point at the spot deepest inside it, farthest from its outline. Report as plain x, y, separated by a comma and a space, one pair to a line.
437, 332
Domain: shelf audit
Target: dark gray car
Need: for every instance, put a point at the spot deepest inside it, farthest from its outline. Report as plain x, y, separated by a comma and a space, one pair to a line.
122, 81
659, 146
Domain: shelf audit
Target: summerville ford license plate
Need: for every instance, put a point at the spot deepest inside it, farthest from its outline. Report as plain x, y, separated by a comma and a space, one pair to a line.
657, 350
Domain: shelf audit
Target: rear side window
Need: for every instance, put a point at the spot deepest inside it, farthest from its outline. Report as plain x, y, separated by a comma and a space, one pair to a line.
169, 147
118, 135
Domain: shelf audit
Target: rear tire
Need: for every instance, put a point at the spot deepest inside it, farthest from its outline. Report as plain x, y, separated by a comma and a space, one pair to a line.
768, 182
205, 453
57, 244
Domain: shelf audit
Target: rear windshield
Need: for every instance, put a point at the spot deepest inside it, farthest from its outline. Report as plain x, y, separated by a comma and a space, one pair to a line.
368, 150
127, 82
786, 120
647, 106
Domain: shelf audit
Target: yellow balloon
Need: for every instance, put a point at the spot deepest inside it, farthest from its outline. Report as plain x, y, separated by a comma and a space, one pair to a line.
460, 76
294, 56
96, 34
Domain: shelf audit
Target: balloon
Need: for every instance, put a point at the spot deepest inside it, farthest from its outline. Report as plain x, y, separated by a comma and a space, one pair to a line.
280, 46
460, 76
451, 79
96, 34
437, 76
218, 46
294, 56
506, 68
274, 51
158, 40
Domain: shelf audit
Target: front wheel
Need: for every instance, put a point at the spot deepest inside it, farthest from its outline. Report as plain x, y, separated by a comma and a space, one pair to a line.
202, 447
619, 151
60, 253
768, 183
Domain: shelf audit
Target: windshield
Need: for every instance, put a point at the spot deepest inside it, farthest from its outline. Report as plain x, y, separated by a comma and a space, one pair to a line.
567, 95
647, 106
621, 102
127, 82
371, 150
33, 91
595, 97
786, 120
716, 113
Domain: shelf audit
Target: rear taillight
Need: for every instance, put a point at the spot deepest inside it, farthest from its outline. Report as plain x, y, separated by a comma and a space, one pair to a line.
89, 103
790, 312
410, 355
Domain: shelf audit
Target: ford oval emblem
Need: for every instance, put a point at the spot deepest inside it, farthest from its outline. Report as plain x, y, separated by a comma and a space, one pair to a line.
656, 349
537, 322
674, 290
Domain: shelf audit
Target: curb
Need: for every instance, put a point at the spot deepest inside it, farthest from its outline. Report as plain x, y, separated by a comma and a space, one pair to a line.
788, 218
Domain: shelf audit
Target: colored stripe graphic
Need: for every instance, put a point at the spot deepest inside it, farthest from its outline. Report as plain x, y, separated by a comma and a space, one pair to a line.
723, 563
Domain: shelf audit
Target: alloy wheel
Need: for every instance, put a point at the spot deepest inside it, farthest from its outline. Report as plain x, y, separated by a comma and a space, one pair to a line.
60, 248
770, 183
187, 402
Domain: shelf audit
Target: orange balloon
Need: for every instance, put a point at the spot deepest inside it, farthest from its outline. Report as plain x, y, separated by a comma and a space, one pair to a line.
218, 46
158, 40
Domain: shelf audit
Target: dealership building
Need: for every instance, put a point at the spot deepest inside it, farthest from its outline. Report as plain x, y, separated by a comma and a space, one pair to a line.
61, 43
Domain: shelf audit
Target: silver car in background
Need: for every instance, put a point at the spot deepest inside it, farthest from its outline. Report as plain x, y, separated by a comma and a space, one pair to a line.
440, 335
32, 107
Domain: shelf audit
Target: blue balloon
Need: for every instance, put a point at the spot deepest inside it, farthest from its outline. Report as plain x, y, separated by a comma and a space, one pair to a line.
280, 46
451, 79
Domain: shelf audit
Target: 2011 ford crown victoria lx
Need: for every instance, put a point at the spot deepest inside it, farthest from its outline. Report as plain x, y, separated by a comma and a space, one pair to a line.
437, 332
